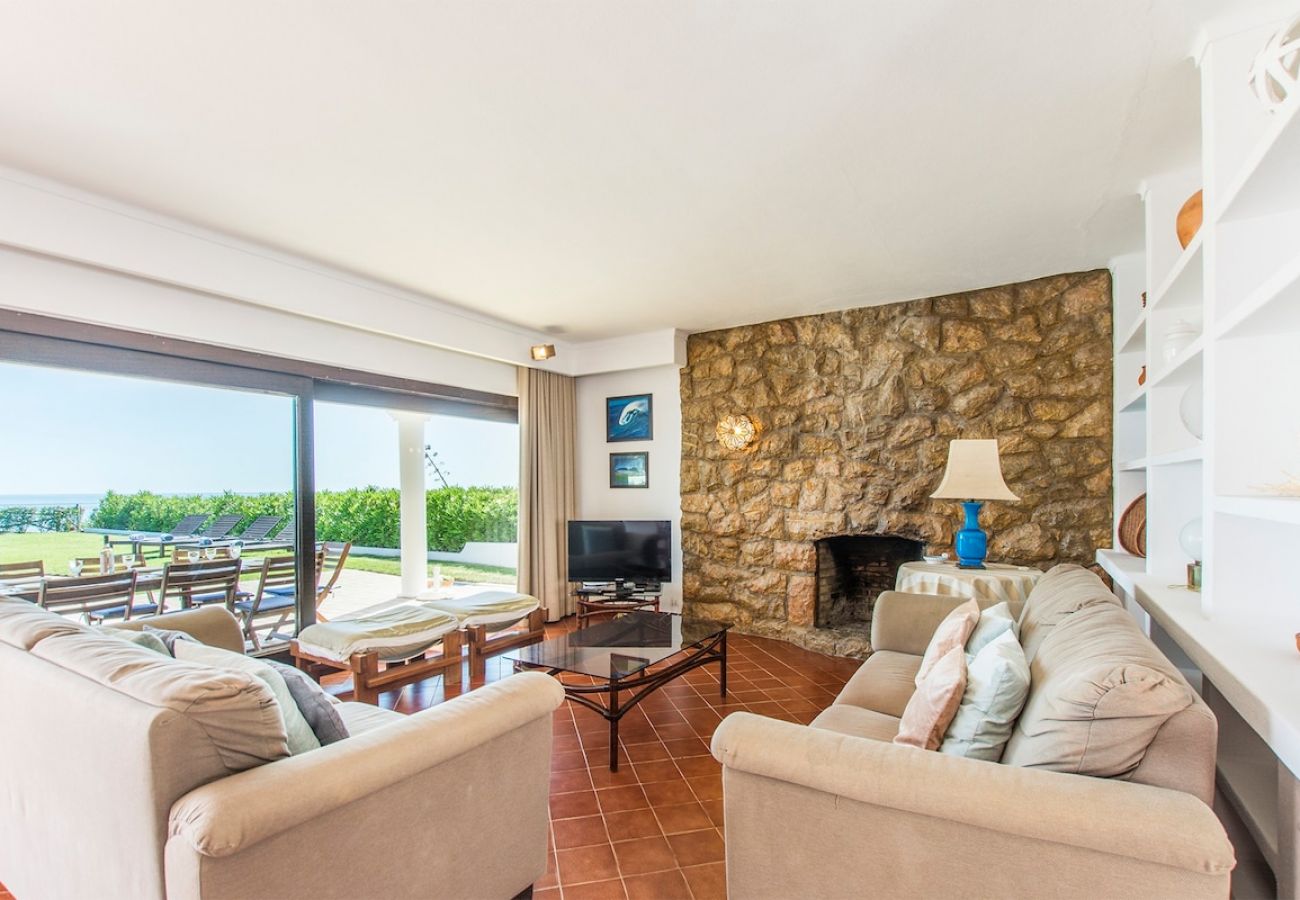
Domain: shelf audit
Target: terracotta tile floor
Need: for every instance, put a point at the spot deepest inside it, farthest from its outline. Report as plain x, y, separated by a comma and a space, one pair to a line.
654, 828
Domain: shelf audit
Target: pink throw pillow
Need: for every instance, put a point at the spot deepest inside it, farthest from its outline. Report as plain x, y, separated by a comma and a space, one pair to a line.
932, 708
953, 631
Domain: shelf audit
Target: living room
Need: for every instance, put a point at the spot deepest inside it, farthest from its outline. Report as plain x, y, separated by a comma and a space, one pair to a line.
581, 450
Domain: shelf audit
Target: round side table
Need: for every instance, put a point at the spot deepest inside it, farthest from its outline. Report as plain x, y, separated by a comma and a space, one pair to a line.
995, 583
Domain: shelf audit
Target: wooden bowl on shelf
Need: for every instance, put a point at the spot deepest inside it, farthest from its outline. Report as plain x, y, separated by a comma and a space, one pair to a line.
1189, 219
1133, 527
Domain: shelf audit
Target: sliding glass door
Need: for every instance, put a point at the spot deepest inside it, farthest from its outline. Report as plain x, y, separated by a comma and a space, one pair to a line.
159, 461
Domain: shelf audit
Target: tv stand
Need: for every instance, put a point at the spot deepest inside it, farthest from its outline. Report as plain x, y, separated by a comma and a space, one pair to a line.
608, 599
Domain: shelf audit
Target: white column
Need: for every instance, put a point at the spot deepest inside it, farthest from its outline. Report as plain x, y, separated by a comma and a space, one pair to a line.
415, 523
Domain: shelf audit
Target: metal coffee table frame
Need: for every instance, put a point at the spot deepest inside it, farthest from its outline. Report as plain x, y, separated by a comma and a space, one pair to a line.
637, 687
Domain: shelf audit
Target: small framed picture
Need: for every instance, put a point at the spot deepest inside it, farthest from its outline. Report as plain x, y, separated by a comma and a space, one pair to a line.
629, 470
629, 418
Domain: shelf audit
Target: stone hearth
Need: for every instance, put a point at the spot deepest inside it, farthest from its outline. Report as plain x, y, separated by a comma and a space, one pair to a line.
855, 410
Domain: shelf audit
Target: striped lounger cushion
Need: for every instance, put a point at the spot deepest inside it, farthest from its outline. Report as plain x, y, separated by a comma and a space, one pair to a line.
398, 633
490, 608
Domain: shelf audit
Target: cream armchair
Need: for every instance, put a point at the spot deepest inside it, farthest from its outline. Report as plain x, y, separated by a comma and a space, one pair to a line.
104, 795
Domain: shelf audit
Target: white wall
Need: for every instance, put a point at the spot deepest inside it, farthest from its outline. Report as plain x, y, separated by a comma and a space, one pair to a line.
46, 285
313, 306
662, 499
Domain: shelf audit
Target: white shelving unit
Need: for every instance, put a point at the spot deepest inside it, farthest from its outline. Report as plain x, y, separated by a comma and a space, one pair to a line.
1238, 283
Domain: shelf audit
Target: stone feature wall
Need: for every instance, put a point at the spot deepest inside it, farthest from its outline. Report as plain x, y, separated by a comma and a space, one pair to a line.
855, 411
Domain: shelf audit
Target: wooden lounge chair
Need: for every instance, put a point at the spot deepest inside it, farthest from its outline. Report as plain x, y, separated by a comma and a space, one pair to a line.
259, 531
283, 540
384, 650
220, 527
496, 613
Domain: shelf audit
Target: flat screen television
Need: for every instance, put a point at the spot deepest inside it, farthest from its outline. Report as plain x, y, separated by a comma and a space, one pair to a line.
620, 551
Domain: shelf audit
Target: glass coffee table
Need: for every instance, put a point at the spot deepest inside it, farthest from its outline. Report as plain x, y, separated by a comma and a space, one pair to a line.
629, 658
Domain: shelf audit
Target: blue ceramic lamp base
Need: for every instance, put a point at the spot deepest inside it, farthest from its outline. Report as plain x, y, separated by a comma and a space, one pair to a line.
971, 544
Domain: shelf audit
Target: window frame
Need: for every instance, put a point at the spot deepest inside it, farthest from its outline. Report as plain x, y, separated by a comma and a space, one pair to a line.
31, 339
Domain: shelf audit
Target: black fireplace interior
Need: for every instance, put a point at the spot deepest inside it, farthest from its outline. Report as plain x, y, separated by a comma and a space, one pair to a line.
853, 570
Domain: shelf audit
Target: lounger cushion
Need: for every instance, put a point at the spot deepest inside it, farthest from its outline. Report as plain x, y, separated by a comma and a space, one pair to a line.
486, 607
400, 632
268, 604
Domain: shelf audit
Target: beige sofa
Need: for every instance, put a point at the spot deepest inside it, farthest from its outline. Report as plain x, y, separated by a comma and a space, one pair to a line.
111, 788
836, 810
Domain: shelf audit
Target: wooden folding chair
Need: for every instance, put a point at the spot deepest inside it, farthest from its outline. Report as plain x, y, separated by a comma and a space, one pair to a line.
22, 571
95, 597
197, 584
276, 595
337, 556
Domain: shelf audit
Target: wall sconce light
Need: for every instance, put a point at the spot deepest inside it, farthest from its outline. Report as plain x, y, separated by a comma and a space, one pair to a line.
542, 351
736, 432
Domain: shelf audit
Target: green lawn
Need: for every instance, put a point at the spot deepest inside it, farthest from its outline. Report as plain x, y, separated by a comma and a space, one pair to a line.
57, 548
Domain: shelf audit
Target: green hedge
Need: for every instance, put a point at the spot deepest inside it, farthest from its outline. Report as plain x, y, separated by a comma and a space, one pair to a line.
40, 518
369, 517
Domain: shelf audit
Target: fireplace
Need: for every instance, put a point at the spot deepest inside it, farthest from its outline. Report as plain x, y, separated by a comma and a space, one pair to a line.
853, 570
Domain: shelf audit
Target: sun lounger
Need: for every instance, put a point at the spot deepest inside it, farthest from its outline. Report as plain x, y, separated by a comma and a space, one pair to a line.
384, 650
493, 612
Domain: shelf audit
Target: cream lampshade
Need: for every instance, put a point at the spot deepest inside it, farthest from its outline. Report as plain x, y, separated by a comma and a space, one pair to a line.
974, 474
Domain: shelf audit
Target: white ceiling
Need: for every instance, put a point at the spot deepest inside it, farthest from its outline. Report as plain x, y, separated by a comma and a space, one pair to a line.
608, 167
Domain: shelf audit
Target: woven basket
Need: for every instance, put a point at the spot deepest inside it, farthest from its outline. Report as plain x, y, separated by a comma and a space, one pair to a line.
1133, 527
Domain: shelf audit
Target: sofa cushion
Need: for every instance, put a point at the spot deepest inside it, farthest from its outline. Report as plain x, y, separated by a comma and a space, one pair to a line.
952, 633
884, 683
997, 683
299, 734
143, 639
233, 711
994, 620
1064, 590
317, 706
362, 717
24, 625
1100, 690
169, 636
858, 722
935, 702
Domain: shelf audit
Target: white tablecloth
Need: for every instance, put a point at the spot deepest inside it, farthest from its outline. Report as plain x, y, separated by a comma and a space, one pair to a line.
995, 582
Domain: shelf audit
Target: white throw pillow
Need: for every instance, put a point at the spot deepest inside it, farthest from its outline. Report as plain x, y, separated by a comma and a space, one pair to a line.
993, 621
301, 737
997, 683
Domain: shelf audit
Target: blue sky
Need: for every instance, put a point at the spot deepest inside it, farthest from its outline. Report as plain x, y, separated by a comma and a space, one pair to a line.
82, 433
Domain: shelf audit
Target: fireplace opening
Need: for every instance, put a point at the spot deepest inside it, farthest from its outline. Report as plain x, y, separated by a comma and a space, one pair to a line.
853, 570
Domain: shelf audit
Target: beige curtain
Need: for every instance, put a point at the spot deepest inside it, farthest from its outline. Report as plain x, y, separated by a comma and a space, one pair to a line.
548, 424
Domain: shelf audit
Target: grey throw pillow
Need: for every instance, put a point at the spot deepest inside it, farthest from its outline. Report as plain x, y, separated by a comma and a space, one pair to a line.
315, 704
142, 639
168, 637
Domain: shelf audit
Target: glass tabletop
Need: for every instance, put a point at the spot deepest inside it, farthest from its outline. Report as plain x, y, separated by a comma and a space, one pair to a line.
617, 648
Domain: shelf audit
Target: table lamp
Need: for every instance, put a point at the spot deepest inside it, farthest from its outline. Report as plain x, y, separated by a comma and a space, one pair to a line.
974, 474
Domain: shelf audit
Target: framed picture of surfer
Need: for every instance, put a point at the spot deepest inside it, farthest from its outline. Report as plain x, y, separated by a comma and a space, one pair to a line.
629, 418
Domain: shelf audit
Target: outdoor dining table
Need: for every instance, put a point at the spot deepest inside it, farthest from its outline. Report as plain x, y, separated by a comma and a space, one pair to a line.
30, 589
